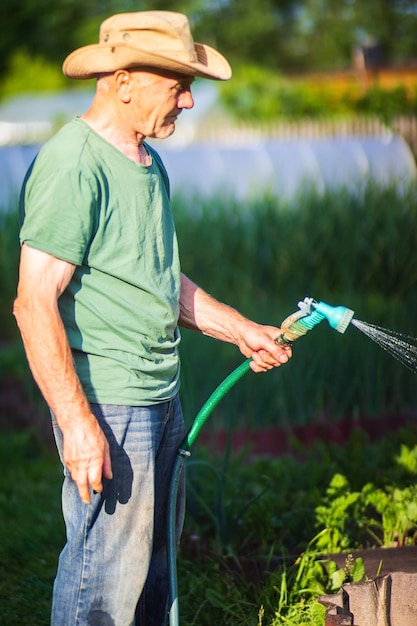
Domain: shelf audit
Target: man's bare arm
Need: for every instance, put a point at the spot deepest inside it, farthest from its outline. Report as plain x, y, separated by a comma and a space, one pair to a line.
199, 311
42, 279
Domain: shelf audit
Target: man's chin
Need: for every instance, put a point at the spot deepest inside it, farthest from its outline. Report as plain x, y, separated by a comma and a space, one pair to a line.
165, 131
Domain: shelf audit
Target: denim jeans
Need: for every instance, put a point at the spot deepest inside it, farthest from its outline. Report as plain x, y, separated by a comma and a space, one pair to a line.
113, 568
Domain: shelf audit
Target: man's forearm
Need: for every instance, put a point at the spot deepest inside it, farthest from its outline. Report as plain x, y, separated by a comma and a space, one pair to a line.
200, 312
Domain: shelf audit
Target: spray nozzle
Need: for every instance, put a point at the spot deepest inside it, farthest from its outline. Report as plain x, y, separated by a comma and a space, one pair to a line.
339, 317
310, 314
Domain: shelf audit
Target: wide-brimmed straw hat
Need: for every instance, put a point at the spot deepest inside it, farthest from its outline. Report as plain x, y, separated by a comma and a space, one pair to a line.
153, 39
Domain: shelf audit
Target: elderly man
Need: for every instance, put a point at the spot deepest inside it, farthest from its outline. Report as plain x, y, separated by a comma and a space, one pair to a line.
99, 302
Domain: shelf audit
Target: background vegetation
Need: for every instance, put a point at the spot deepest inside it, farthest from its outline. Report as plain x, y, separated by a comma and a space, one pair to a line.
351, 249
259, 95
258, 537
354, 249
257, 534
302, 35
274, 47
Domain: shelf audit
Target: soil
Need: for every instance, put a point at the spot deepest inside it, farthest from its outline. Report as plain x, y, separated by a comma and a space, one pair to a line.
274, 441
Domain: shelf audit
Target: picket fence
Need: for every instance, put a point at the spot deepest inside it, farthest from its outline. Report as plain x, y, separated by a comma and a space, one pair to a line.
405, 126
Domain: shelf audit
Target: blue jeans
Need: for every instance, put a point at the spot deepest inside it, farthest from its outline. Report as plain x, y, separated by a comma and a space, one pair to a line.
113, 568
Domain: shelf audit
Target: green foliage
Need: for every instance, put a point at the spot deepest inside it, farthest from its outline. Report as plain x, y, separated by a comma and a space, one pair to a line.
257, 94
307, 579
277, 34
334, 514
398, 510
343, 248
386, 104
311, 496
47, 28
29, 73
280, 504
387, 514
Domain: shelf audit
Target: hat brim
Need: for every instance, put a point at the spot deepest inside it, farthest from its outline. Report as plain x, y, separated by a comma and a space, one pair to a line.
90, 61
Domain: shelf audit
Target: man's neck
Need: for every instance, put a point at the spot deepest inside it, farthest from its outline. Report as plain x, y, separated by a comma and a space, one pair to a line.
131, 146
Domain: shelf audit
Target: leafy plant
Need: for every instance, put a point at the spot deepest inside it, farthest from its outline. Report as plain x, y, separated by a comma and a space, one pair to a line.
310, 576
398, 510
335, 514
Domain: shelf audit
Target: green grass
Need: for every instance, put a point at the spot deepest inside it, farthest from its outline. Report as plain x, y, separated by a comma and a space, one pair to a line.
31, 528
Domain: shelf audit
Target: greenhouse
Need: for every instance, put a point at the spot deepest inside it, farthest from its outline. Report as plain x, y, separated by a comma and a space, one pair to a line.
244, 169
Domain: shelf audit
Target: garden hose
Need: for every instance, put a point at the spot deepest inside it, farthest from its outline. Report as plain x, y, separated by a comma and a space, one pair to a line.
310, 314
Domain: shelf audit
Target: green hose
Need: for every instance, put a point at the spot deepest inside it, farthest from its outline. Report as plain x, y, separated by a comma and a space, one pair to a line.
182, 453
213, 401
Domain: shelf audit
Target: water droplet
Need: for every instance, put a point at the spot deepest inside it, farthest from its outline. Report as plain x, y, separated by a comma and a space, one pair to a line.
402, 347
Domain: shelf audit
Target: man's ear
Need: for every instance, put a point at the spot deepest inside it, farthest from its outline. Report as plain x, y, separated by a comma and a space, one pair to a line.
124, 82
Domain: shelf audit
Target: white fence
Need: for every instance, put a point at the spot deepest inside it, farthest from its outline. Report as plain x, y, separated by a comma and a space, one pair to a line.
405, 126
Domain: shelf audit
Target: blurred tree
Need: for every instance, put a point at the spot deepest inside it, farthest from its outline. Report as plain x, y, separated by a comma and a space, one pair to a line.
328, 31
254, 31
52, 28
392, 23
279, 34
309, 34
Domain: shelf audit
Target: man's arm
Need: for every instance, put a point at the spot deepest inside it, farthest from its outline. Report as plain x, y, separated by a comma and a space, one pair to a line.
42, 279
199, 311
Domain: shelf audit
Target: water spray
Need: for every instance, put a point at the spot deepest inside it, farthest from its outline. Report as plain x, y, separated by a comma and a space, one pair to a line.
309, 314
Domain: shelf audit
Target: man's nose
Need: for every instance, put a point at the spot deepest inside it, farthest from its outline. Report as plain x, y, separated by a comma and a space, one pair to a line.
186, 100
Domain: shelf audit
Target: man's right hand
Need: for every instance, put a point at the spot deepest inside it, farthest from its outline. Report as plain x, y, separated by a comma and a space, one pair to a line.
87, 456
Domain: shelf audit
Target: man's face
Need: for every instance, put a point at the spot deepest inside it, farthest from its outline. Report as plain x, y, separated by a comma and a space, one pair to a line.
157, 101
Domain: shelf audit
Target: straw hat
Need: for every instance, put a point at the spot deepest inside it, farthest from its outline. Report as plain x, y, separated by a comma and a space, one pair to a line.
153, 39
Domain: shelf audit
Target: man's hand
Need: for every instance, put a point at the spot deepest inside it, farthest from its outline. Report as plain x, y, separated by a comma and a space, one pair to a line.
87, 456
258, 342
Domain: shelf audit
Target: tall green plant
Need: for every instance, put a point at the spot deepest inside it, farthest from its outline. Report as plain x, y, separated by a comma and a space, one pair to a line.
344, 248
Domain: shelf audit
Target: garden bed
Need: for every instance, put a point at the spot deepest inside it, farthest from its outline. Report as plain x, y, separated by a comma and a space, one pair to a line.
276, 441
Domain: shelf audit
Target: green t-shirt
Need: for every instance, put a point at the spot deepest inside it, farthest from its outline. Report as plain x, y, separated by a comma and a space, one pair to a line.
85, 202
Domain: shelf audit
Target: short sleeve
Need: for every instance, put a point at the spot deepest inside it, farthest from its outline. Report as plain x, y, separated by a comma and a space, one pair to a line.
58, 211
